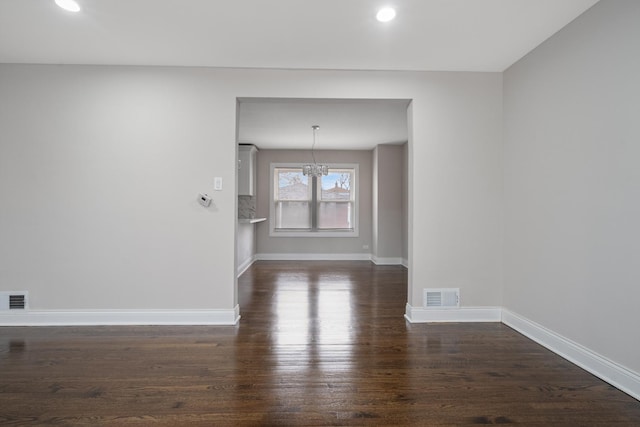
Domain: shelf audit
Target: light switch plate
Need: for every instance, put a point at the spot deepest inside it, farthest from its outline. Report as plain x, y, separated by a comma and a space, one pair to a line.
217, 183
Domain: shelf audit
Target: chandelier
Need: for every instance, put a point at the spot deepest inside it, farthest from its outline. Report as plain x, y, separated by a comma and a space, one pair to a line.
314, 169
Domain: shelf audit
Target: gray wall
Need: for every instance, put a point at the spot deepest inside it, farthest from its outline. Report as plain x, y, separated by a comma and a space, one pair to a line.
100, 167
388, 206
405, 204
319, 245
572, 182
374, 198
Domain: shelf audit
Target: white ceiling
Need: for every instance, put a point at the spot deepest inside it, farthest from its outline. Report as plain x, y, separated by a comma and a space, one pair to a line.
445, 35
461, 35
344, 124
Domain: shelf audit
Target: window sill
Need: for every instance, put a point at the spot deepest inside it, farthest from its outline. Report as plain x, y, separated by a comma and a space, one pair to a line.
313, 234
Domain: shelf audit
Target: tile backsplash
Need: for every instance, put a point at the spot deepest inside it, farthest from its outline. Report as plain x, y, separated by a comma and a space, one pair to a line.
246, 207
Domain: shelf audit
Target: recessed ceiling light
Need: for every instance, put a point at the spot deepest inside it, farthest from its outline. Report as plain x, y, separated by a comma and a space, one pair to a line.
69, 5
386, 14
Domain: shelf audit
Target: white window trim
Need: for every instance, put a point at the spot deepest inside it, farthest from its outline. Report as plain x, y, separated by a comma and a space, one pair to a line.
315, 233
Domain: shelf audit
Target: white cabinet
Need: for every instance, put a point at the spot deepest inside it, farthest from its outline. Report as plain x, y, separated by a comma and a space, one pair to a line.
247, 155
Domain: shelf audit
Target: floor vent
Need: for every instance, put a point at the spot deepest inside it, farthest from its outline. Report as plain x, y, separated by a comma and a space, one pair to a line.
13, 300
441, 298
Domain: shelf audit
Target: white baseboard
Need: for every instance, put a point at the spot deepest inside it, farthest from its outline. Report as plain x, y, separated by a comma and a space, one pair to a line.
462, 314
405, 262
245, 265
313, 257
616, 375
609, 371
386, 260
121, 317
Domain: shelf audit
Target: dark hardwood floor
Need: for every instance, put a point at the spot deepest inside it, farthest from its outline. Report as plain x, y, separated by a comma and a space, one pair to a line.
319, 343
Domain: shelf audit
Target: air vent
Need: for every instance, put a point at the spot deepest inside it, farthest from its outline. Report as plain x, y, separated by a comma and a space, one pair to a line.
441, 298
13, 300
17, 302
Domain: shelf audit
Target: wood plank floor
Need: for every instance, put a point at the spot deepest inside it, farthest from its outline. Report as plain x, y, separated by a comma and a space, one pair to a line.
319, 343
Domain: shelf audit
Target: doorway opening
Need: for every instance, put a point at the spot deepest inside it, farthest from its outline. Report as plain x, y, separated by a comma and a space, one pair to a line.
372, 133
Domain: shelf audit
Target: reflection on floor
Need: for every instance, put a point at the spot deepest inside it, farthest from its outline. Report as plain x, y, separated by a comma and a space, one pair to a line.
319, 343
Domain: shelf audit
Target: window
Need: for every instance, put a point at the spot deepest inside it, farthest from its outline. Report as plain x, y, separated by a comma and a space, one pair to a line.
314, 206
292, 196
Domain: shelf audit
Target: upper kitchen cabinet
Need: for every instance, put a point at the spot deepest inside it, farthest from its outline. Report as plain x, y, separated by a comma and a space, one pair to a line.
247, 156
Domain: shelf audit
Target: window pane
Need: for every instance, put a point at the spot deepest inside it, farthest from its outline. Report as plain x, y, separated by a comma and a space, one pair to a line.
291, 184
307, 204
337, 185
335, 215
334, 208
296, 215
